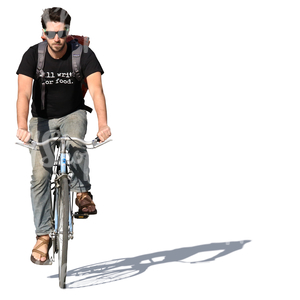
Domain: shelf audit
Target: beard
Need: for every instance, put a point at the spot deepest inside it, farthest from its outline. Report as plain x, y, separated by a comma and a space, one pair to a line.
57, 47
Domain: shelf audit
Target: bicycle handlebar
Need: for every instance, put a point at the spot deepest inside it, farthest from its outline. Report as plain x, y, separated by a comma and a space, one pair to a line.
31, 144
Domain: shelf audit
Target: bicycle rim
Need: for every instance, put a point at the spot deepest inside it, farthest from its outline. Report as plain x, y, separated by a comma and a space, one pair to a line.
63, 222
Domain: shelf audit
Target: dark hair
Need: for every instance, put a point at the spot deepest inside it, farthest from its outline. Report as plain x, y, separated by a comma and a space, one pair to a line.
55, 14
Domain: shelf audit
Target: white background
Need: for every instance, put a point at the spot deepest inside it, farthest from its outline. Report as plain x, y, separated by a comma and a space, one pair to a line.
203, 103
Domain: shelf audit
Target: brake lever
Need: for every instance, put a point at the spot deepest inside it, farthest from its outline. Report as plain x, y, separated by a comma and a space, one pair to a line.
97, 143
31, 144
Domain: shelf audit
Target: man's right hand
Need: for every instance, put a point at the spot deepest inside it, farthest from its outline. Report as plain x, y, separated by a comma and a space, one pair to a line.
23, 135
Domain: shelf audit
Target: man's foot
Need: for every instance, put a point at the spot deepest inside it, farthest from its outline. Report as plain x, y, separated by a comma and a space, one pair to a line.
40, 251
85, 203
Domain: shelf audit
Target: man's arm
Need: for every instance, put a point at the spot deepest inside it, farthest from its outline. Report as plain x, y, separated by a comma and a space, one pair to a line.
95, 87
24, 94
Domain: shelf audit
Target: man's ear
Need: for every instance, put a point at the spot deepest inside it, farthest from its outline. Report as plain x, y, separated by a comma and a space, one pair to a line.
67, 28
43, 35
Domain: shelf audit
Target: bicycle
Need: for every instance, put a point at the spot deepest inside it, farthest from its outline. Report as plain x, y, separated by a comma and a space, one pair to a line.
62, 199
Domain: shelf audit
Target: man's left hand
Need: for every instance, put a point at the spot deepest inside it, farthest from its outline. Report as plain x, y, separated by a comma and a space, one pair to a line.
104, 133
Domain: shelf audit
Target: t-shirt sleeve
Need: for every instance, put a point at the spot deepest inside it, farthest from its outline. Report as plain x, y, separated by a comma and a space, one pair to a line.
28, 63
90, 64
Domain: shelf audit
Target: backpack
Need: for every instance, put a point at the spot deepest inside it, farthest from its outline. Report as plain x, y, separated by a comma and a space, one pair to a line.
78, 43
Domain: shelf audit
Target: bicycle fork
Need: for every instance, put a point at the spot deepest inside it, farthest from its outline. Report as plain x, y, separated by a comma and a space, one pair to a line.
63, 172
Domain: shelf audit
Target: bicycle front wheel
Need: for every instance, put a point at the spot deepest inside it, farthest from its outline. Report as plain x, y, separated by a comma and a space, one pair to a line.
63, 223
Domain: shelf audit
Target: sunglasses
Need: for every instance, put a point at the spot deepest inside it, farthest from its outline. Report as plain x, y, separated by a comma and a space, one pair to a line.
52, 34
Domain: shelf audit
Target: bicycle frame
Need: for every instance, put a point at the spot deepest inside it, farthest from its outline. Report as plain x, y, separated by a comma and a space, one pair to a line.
62, 163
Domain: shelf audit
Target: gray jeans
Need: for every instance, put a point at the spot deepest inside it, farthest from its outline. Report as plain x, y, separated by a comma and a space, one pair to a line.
73, 125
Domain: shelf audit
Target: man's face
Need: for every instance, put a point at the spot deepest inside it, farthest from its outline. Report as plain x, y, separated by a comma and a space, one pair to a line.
55, 43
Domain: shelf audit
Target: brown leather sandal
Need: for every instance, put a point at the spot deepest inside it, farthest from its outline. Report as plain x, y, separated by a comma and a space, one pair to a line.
43, 254
85, 200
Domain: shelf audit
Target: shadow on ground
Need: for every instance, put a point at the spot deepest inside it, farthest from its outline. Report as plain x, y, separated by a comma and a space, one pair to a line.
118, 269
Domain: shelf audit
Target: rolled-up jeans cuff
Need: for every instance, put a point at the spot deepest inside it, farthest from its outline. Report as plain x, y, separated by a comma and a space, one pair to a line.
80, 190
43, 233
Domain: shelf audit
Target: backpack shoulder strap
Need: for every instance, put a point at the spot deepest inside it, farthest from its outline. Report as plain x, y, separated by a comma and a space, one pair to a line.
41, 57
42, 47
76, 56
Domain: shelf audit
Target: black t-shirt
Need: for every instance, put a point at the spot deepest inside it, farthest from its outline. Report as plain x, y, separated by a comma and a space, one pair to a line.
63, 91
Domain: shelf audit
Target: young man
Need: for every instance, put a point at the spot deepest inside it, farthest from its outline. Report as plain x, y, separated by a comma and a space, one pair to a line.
60, 112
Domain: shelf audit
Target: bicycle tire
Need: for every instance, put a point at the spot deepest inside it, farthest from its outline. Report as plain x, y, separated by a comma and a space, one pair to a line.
63, 234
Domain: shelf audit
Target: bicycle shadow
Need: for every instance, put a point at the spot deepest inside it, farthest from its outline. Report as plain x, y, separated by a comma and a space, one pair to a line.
119, 269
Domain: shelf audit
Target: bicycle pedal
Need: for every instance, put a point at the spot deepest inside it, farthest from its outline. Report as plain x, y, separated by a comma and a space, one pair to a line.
78, 215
